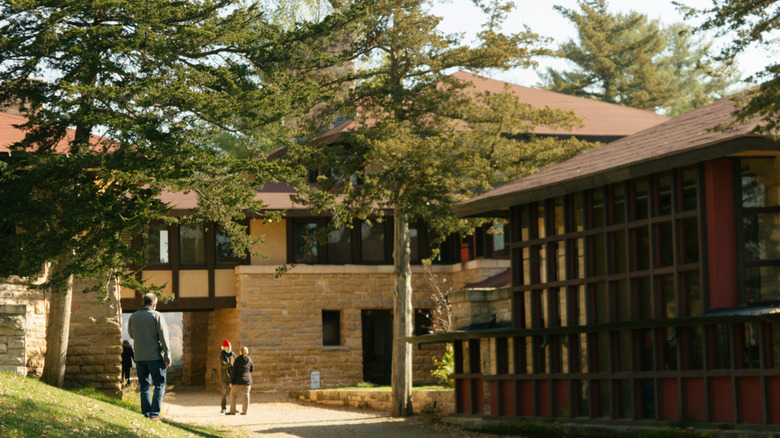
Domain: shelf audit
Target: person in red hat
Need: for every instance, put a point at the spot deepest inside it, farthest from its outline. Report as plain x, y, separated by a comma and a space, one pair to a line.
226, 358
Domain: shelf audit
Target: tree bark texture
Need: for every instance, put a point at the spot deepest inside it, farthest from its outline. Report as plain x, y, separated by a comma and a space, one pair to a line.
57, 333
403, 315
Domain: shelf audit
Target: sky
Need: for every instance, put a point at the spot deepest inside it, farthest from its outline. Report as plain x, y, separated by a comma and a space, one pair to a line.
540, 17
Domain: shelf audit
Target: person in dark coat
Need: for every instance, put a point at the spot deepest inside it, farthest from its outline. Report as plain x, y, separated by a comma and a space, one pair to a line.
226, 358
127, 361
241, 381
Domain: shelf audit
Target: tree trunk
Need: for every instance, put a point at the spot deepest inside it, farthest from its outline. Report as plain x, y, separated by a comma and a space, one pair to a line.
403, 315
57, 333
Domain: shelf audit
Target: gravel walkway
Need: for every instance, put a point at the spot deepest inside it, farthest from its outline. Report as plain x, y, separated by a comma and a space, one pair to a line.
275, 415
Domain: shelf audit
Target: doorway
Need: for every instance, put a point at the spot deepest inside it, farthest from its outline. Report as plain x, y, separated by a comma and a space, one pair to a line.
377, 345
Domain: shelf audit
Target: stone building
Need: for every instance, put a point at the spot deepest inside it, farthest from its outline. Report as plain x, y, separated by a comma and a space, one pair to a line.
327, 319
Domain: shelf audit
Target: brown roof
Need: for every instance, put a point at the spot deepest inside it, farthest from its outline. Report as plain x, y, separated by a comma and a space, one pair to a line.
598, 118
275, 196
682, 141
10, 134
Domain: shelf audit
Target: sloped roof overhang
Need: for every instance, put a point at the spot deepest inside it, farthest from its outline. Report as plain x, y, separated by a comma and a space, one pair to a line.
497, 205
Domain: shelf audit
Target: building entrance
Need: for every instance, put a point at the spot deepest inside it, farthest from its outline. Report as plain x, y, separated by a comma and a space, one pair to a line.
377, 345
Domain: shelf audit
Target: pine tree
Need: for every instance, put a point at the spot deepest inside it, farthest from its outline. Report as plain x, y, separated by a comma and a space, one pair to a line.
423, 140
122, 99
746, 24
630, 60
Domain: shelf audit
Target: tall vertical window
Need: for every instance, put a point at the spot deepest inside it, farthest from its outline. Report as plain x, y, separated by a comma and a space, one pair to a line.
156, 243
372, 242
760, 179
304, 242
340, 246
224, 252
192, 244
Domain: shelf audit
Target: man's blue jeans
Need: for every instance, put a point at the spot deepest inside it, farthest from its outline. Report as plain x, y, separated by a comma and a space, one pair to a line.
151, 372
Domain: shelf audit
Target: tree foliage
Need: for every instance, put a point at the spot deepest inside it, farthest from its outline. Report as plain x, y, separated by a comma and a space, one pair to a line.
122, 101
747, 24
630, 60
424, 139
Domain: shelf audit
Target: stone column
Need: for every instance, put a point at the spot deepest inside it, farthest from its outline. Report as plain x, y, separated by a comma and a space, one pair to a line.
195, 326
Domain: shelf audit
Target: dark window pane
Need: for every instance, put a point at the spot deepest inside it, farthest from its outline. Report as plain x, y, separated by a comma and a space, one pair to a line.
156, 243
645, 350
422, 322
721, 347
763, 283
340, 246
622, 297
750, 354
689, 237
602, 303
689, 185
692, 293
761, 237
668, 295
695, 348
669, 348
598, 251
619, 252
665, 245
603, 364
331, 327
644, 297
372, 241
578, 212
304, 242
192, 244
597, 209
664, 199
619, 204
760, 181
641, 198
224, 251
414, 245
641, 257
525, 223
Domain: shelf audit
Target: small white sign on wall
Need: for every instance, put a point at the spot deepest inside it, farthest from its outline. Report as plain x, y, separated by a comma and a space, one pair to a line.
315, 380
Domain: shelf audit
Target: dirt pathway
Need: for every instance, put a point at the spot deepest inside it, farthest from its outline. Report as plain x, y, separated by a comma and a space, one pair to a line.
274, 415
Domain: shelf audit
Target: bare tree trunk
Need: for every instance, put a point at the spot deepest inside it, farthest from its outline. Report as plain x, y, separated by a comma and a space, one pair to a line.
57, 333
403, 315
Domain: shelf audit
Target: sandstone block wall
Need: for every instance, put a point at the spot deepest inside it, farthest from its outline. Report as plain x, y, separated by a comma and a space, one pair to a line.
195, 328
476, 306
13, 321
280, 320
13, 292
95, 345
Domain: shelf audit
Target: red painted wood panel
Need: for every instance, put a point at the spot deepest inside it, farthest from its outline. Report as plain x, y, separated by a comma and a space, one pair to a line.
463, 392
562, 400
722, 396
494, 398
695, 403
721, 226
773, 390
543, 398
526, 389
508, 398
749, 405
670, 403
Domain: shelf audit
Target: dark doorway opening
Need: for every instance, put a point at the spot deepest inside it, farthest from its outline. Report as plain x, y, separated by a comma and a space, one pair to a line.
377, 345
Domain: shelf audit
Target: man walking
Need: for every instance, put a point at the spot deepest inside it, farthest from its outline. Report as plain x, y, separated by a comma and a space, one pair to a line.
152, 353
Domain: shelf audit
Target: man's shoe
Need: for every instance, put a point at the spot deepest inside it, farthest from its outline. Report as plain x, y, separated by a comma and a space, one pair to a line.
230, 413
243, 413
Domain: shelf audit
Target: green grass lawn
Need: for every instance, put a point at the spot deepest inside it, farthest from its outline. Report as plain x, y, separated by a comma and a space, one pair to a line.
30, 408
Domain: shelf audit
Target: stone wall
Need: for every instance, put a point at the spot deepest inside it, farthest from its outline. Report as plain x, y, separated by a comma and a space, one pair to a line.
195, 328
13, 292
95, 345
280, 320
477, 306
13, 321
424, 401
